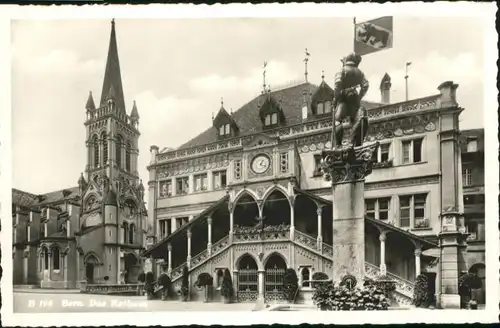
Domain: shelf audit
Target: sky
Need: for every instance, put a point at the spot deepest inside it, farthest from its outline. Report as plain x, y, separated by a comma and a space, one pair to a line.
177, 70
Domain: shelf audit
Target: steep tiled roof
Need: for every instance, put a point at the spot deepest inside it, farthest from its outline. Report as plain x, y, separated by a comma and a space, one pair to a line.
24, 199
247, 117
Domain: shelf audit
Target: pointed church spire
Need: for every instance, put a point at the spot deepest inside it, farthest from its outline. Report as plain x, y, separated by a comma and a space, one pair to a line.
135, 112
90, 102
112, 75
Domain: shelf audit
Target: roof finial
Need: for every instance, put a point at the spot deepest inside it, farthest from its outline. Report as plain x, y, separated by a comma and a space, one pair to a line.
264, 78
323, 76
221, 102
113, 21
306, 59
213, 116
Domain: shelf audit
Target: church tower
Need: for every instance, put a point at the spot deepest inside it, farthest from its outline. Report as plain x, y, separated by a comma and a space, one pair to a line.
112, 187
112, 134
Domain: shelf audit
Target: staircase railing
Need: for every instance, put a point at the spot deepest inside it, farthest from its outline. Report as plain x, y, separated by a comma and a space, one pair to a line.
403, 286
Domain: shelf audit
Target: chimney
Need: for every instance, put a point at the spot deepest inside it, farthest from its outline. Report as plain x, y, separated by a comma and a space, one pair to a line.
385, 89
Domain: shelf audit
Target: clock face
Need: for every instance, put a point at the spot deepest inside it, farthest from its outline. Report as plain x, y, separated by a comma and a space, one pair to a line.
260, 164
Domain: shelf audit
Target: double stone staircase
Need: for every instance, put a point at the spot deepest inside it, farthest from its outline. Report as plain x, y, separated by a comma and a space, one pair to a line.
403, 294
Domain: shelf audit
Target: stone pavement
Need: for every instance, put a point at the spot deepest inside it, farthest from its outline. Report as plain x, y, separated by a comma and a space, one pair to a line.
31, 302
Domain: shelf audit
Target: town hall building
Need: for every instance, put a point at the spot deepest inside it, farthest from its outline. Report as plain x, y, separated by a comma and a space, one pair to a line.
94, 232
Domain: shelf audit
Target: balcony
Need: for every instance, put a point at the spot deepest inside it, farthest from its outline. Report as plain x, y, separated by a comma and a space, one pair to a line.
252, 234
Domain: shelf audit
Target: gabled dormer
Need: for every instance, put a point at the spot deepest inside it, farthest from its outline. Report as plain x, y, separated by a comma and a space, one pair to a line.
225, 124
321, 101
271, 112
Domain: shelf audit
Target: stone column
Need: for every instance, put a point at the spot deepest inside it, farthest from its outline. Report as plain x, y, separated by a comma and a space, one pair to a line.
383, 267
452, 237
50, 266
260, 297
188, 260
346, 168
319, 241
235, 284
418, 252
209, 244
292, 217
231, 221
169, 271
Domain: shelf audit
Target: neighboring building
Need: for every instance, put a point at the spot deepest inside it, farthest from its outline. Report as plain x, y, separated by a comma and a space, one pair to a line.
472, 147
259, 166
94, 232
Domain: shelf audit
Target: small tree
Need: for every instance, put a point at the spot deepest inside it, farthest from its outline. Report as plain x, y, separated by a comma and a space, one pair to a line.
227, 290
205, 280
319, 278
466, 283
421, 292
149, 285
290, 284
329, 297
165, 283
185, 284
141, 277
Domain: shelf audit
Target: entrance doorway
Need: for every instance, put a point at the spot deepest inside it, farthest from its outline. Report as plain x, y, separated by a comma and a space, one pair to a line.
275, 271
90, 266
248, 286
130, 261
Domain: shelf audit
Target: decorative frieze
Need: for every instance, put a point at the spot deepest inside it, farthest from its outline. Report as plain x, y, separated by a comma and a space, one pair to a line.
193, 165
396, 115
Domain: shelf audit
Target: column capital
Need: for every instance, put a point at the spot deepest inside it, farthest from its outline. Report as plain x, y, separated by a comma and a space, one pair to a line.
169, 247
189, 233
209, 220
382, 237
347, 164
319, 210
418, 252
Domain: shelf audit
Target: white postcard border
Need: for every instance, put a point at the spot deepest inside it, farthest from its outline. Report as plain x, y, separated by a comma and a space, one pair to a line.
486, 10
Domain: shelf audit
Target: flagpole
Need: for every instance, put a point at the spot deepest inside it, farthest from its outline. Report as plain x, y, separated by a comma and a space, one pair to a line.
354, 39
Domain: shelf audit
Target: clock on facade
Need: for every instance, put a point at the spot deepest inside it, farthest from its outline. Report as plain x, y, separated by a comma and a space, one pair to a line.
260, 164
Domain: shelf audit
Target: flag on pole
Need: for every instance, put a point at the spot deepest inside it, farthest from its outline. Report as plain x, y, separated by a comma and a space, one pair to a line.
373, 35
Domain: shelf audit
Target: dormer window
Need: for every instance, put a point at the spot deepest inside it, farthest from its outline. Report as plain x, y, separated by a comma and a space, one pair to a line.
323, 108
225, 130
271, 119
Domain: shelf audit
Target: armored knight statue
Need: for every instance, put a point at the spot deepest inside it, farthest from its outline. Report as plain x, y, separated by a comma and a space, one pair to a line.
347, 102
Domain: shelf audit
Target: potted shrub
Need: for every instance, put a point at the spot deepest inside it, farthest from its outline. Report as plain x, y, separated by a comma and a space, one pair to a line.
227, 290
421, 297
290, 285
387, 285
165, 283
149, 287
319, 278
466, 283
206, 281
184, 292
329, 297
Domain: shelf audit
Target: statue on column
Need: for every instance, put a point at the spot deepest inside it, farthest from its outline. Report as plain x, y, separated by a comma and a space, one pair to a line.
349, 114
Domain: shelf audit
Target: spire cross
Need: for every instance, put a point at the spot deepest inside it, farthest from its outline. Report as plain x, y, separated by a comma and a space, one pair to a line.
264, 77
306, 59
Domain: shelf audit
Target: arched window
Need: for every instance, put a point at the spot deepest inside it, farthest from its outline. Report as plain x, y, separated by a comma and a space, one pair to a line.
127, 156
118, 153
46, 259
95, 145
306, 276
104, 141
131, 234
328, 107
125, 232
320, 109
55, 258
228, 129
274, 118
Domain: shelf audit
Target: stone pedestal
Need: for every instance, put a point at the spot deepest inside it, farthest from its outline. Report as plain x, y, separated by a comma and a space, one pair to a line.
347, 168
